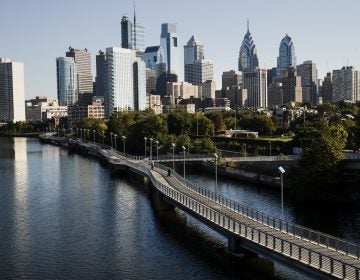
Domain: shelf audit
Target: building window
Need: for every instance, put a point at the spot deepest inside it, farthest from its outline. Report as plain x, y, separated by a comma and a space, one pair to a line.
175, 42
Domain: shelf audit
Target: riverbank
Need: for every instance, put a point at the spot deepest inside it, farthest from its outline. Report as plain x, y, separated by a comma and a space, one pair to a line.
14, 134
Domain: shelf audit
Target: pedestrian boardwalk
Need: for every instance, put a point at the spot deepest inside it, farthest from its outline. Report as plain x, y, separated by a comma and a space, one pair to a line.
300, 246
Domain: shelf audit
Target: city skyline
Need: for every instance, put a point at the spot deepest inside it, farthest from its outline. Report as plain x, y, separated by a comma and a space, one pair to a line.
38, 38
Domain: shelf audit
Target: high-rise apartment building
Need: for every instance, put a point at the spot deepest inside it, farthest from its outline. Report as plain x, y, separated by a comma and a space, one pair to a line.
154, 59
139, 78
82, 58
67, 81
170, 46
197, 69
255, 82
119, 84
286, 56
12, 91
308, 73
208, 89
346, 84
248, 59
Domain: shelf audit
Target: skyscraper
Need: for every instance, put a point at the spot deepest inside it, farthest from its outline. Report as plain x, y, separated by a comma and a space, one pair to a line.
248, 59
327, 89
308, 73
12, 91
119, 85
154, 59
139, 78
291, 86
287, 56
197, 69
232, 79
255, 82
82, 58
132, 34
99, 79
170, 47
67, 81
346, 85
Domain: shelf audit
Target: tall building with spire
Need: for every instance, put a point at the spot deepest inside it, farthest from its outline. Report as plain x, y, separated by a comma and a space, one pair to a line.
197, 68
132, 34
286, 56
248, 59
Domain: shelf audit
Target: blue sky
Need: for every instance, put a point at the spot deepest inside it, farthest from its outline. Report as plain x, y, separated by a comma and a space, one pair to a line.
37, 31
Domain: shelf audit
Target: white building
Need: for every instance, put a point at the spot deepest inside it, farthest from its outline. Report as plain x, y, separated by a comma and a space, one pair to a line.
43, 108
346, 85
12, 91
183, 90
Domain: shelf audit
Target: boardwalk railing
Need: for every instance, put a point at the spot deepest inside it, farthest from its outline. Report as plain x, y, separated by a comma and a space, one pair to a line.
313, 236
303, 254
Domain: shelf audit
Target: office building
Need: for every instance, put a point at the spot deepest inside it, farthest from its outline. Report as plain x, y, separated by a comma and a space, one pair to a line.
154, 103
308, 73
255, 82
291, 87
208, 89
183, 90
12, 91
139, 79
132, 35
99, 79
275, 93
327, 89
232, 79
154, 59
67, 81
346, 85
150, 81
170, 46
248, 59
41, 109
95, 110
82, 58
286, 56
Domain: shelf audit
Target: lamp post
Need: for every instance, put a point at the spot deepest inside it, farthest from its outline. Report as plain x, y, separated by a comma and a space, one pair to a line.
94, 135
282, 171
184, 149
157, 149
145, 140
270, 147
124, 139
115, 135
197, 124
173, 150
216, 159
111, 141
151, 140
77, 132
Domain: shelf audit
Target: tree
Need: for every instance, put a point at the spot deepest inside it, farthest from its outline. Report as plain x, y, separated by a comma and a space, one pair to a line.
260, 123
179, 122
202, 125
217, 119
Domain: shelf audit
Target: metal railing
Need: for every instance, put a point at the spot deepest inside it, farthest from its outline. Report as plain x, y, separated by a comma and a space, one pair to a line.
301, 232
295, 251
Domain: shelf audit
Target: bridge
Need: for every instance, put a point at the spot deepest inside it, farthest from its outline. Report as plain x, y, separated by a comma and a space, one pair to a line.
321, 254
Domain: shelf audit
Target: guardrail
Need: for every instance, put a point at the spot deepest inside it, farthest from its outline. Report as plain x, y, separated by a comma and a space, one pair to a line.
316, 237
307, 256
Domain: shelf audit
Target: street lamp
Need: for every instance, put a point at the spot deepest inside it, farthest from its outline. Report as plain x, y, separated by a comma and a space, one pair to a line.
157, 149
216, 159
282, 171
151, 140
111, 141
115, 135
270, 147
173, 149
94, 135
184, 149
124, 139
197, 124
145, 139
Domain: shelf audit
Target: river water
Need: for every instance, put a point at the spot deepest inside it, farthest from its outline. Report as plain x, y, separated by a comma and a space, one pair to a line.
63, 216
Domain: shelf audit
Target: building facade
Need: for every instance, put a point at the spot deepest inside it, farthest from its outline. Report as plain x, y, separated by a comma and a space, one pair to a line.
255, 82
286, 56
139, 79
232, 79
67, 81
12, 91
308, 73
170, 46
346, 85
327, 89
132, 35
291, 87
78, 113
248, 59
99, 79
183, 90
208, 89
82, 58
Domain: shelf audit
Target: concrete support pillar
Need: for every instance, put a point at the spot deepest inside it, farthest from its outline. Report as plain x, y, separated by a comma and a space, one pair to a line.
159, 203
235, 245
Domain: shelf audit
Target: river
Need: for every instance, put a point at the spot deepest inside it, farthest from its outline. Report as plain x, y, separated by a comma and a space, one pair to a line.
64, 216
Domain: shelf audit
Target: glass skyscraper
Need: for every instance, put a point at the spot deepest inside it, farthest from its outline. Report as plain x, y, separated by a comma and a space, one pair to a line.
248, 59
170, 46
132, 34
67, 81
287, 56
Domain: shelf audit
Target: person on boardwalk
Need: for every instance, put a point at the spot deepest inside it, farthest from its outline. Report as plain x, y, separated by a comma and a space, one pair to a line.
169, 172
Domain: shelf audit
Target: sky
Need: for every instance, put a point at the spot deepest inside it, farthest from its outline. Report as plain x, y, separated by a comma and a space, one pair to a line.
37, 31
